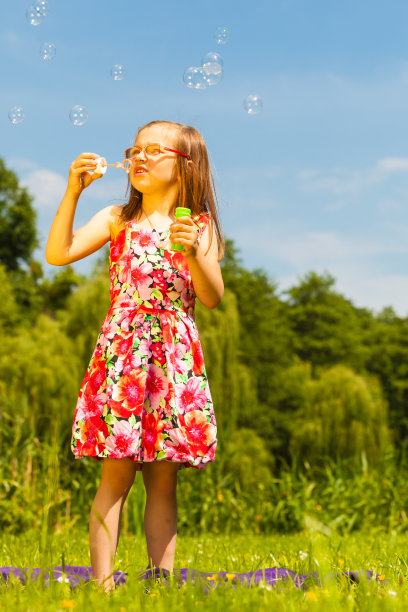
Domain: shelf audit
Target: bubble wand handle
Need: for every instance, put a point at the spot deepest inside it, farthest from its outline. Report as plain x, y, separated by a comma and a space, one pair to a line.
180, 212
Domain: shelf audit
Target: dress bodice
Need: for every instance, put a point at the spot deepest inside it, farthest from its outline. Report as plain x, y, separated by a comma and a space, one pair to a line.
146, 274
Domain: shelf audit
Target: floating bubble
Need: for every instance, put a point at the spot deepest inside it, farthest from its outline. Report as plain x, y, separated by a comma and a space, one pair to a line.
118, 72
41, 7
212, 63
222, 35
253, 104
16, 115
78, 115
214, 79
195, 78
47, 51
33, 16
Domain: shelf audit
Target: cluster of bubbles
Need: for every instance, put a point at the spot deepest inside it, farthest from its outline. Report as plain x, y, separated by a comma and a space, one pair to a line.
208, 74
211, 72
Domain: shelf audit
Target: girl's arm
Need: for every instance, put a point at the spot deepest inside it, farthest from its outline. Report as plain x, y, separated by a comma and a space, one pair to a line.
65, 246
204, 267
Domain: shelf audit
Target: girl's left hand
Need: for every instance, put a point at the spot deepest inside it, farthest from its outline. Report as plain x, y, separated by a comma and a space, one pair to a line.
184, 231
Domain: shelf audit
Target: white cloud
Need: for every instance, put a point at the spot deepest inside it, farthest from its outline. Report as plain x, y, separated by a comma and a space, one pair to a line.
46, 186
343, 181
287, 252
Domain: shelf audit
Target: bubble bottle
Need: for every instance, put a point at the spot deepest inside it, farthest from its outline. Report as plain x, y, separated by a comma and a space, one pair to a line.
180, 212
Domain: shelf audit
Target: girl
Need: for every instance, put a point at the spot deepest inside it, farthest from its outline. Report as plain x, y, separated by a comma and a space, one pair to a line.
144, 403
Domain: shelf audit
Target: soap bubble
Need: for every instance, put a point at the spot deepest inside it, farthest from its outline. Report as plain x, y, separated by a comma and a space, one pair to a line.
47, 51
214, 79
41, 7
33, 17
222, 35
78, 115
253, 104
16, 115
212, 63
118, 72
195, 78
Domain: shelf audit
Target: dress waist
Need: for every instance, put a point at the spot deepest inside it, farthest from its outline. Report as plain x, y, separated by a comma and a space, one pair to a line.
150, 309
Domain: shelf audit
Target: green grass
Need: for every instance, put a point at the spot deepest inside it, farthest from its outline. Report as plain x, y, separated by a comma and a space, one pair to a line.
304, 552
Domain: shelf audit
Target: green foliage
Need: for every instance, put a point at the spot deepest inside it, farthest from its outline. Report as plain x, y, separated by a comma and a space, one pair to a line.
85, 310
343, 415
231, 385
386, 337
300, 390
18, 234
55, 291
9, 316
325, 324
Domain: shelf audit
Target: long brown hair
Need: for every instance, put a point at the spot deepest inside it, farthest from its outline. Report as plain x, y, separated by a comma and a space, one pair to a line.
197, 190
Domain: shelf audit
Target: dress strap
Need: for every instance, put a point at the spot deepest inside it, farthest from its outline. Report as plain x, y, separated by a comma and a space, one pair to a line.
202, 221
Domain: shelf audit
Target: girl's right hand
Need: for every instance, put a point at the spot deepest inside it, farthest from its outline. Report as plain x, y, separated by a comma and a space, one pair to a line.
80, 176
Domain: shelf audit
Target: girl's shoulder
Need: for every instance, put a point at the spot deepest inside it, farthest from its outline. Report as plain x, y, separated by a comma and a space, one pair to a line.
116, 224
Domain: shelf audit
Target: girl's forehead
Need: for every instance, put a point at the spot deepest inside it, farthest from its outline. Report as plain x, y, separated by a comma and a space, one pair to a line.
156, 133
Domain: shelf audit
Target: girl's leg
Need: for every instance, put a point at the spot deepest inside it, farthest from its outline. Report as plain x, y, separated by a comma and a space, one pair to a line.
160, 518
104, 522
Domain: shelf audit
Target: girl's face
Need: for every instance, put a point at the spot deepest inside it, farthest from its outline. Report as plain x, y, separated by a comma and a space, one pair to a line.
155, 173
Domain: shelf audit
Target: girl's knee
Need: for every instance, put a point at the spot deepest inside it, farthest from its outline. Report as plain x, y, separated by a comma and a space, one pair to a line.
162, 477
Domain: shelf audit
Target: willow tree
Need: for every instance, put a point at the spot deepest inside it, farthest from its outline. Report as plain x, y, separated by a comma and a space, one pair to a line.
343, 415
230, 381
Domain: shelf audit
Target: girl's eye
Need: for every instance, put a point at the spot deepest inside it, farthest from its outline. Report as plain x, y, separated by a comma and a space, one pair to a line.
153, 149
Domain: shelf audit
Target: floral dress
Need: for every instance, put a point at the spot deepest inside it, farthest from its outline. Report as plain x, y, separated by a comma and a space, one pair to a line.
145, 394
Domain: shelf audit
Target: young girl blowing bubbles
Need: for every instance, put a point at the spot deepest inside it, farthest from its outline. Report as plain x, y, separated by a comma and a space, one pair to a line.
144, 403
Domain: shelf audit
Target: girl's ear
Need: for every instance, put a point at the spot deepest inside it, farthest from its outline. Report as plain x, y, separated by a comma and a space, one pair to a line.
190, 165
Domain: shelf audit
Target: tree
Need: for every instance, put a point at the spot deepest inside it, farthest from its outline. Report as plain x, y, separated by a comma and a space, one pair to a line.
386, 339
18, 233
343, 416
266, 342
325, 323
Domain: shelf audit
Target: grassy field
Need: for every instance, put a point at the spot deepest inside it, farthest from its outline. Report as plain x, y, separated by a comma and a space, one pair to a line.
305, 552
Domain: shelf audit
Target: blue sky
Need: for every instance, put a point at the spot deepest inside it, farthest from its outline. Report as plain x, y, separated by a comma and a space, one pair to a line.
317, 181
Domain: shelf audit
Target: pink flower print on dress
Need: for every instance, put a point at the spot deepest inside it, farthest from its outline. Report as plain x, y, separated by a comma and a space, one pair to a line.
174, 354
122, 344
197, 431
123, 441
152, 437
190, 395
128, 394
179, 284
134, 361
141, 280
179, 443
157, 385
124, 267
90, 406
142, 242
92, 434
140, 275
118, 245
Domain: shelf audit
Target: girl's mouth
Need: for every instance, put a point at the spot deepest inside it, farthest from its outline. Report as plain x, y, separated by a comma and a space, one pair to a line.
140, 170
